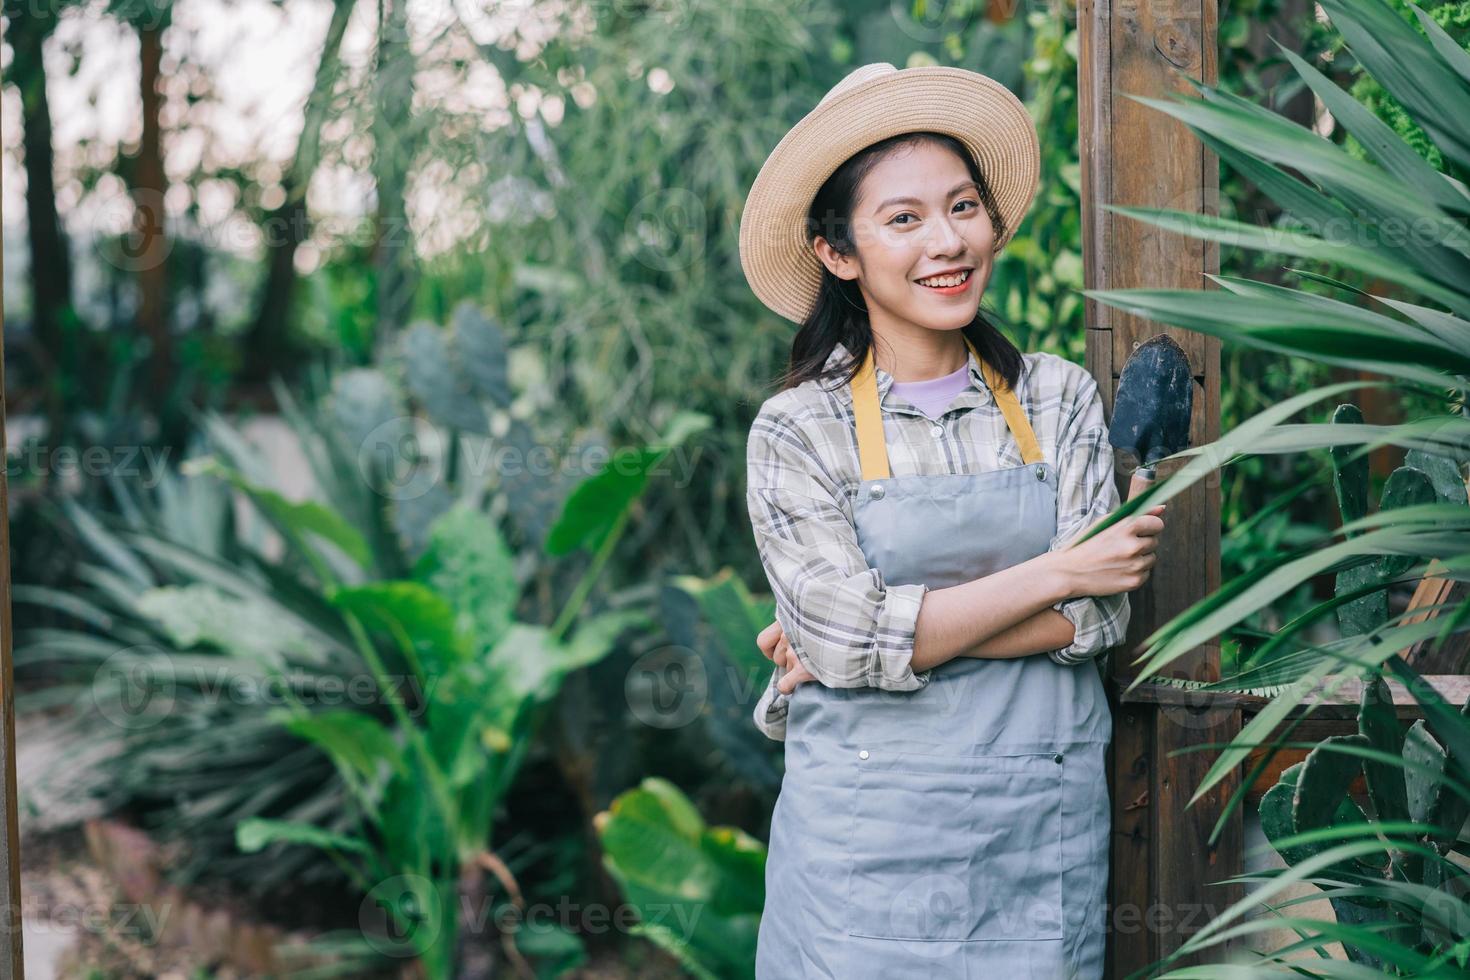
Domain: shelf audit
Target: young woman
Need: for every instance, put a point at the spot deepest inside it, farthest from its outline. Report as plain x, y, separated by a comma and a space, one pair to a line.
911, 488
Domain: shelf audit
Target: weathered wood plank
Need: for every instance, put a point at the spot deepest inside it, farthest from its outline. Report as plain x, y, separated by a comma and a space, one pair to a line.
12, 964
1163, 862
1134, 836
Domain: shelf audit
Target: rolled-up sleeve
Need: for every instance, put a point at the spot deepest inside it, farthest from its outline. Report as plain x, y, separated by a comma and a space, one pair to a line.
1086, 493
844, 623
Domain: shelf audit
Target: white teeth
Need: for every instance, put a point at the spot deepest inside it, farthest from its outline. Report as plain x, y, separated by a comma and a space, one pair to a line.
953, 280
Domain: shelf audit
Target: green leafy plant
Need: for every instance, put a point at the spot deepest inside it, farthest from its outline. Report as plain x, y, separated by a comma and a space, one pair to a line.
424, 789
403, 592
699, 890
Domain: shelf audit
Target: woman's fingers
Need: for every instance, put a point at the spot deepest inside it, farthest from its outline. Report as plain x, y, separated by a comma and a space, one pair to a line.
784, 656
767, 638
1147, 524
794, 676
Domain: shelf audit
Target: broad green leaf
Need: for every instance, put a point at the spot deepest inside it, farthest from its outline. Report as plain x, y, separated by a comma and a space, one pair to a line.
1285, 242
257, 832
733, 615
1379, 200
598, 503
351, 737
418, 618
295, 517
1387, 147
1404, 63
707, 882
1289, 328
468, 563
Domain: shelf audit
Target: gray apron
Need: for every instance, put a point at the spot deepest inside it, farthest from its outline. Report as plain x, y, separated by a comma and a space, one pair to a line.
959, 831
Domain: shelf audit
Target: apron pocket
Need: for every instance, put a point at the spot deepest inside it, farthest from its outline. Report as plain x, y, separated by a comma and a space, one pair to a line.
949, 847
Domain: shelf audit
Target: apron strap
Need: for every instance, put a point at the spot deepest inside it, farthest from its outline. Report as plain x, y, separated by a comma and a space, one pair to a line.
873, 450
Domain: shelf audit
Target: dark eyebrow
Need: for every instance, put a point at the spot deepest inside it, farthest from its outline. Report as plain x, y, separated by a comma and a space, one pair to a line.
914, 200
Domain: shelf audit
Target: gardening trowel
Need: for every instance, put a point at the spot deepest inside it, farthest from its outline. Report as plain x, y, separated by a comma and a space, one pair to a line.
1152, 407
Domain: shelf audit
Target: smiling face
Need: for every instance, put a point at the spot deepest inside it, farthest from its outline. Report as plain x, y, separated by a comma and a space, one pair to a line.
918, 213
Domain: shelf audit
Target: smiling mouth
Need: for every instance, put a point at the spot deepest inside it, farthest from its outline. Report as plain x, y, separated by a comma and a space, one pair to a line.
947, 282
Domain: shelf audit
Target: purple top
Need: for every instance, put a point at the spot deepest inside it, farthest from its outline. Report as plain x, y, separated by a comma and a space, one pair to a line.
933, 396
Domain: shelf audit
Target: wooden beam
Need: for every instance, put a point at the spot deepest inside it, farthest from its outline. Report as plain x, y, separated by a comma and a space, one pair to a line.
1341, 703
1162, 861
12, 963
1322, 714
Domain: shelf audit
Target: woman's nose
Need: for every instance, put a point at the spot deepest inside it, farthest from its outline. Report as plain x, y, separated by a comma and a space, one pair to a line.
945, 238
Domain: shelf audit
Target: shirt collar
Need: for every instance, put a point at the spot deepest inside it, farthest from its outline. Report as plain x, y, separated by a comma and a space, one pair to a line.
977, 394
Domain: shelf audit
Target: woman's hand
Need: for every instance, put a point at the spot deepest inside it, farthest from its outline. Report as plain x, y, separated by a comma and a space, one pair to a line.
772, 641
1119, 559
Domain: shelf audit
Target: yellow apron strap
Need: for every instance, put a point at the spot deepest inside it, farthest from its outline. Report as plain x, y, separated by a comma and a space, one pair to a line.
1010, 407
872, 448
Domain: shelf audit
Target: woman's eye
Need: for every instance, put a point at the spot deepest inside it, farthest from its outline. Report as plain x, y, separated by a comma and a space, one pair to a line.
908, 214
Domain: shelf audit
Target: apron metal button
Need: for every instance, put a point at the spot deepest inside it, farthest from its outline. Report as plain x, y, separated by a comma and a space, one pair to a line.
863, 754
1041, 472
876, 491
1057, 758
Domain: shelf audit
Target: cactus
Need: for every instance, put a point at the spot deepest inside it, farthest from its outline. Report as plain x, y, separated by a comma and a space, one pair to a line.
1406, 486
437, 378
1313, 794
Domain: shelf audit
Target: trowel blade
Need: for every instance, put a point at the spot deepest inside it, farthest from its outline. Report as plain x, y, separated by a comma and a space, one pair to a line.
1153, 403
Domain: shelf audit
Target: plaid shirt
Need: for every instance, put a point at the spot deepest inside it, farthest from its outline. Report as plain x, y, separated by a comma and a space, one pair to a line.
844, 623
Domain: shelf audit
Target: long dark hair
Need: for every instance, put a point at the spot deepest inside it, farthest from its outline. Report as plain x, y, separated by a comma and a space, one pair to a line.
839, 314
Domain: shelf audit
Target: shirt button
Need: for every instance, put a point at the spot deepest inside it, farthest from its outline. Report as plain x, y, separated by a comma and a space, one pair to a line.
863, 754
938, 430
876, 491
1057, 758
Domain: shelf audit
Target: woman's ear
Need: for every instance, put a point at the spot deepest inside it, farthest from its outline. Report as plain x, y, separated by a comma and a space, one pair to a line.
841, 266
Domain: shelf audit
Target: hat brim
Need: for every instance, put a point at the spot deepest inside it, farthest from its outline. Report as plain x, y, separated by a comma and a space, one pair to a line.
778, 261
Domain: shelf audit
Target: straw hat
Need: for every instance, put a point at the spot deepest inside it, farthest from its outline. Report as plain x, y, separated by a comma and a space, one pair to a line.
872, 103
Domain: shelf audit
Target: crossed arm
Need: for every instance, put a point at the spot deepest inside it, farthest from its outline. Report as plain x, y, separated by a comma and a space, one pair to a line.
845, 627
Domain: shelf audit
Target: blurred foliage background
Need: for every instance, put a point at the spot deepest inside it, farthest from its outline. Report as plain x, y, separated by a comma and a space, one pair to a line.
294, 289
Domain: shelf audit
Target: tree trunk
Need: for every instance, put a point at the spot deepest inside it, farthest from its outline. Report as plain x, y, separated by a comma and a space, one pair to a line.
150, 184
393, 257
269, 341
50, 266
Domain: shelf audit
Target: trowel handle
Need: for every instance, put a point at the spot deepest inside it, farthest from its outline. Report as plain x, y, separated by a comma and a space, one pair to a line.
1142, 479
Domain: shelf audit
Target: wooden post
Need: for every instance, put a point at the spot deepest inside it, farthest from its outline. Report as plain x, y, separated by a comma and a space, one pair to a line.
12, 966
1162, 865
